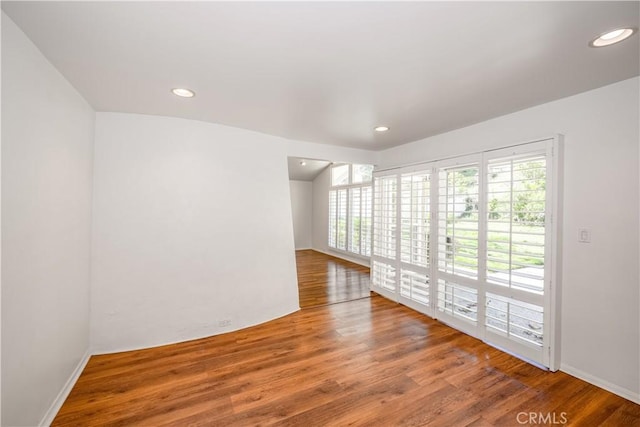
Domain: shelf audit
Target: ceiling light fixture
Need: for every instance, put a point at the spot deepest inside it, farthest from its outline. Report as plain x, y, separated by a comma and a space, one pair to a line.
381, 128
303, 163
612, 37
184, 93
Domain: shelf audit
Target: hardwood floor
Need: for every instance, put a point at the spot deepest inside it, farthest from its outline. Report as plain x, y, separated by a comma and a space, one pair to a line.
323, 279
368, 362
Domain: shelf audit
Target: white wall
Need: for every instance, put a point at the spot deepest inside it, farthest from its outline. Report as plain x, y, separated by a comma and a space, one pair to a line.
302, 212
321, 210
47, 154
192, 226
601, 282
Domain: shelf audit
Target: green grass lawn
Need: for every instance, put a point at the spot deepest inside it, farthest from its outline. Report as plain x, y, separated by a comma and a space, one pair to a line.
526, 244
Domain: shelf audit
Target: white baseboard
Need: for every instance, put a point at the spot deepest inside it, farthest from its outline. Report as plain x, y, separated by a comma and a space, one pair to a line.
64, 393
615, 389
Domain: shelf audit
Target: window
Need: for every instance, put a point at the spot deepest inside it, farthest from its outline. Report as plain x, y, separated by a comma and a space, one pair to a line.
469, 241
362, 173
515, 223
415, 215
383, 267
341, 215
360, 220
338, 219
415, 224
333, 218
339, 175
355, 199
516, 233
458, 221
350, 200
384, 237
366, 223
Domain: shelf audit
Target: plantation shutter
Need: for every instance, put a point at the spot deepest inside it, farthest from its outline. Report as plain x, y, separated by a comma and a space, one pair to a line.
354, 219
516, 252
415, 223
458, 234
383, 266
333, 221
365, 221
341, 210
516, 216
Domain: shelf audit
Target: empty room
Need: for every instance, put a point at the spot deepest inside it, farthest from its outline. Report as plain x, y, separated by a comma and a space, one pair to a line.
320, 213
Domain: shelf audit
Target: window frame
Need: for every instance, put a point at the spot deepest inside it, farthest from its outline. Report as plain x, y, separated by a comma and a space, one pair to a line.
365, 236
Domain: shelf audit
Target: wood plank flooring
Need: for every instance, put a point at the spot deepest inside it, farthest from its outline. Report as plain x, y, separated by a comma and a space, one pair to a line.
368, 362
323, 279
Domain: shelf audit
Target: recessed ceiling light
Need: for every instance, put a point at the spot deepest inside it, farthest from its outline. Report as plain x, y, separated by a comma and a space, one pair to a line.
381, 128
303, 163
612, 37
185, 93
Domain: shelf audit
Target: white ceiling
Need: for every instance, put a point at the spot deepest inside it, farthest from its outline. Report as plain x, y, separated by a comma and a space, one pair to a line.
309, 171
329, 72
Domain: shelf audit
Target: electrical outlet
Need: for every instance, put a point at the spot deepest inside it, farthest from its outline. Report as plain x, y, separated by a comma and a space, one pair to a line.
224, 322
584, 235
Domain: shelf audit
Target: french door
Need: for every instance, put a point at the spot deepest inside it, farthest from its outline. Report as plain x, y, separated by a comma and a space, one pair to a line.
457, 257
471, 242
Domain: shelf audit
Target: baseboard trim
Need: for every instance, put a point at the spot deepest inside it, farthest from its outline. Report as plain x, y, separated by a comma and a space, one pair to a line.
64, 393
615, 389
